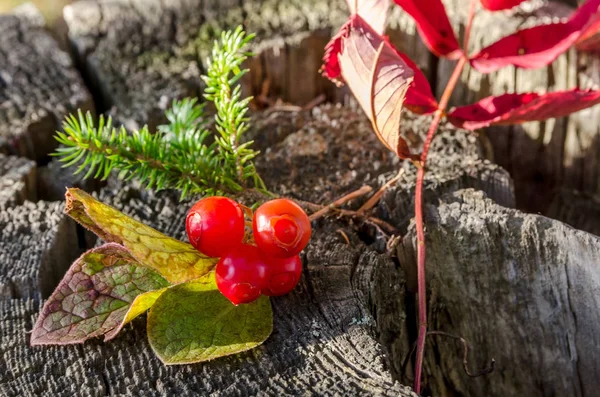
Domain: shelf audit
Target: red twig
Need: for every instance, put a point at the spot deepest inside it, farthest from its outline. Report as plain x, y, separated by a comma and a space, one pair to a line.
421, 285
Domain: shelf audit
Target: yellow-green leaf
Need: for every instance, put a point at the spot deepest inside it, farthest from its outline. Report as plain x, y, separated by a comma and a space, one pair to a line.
173, 259
94, 296
193, 322
140, 304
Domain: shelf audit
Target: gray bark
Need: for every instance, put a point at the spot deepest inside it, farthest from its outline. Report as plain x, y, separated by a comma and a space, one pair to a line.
324, 342
580, 210
53, 180
38, 85
142, 54
522, 289
17, 180
126, 46
37, 245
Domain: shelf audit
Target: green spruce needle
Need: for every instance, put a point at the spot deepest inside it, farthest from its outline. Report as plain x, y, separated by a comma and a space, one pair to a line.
184, 154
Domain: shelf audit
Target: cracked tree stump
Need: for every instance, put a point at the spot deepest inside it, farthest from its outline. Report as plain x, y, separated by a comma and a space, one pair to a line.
351, 322
37, 244
38, 85
522, 289
324, 339
124, 45
580, 210
540, 156
140, 55
17, 180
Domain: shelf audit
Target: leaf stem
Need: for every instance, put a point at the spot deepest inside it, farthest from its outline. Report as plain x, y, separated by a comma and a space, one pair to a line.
421, 249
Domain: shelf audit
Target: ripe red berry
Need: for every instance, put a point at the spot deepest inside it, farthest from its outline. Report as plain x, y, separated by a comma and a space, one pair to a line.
281, 228
284, 274
242, 274
215, 225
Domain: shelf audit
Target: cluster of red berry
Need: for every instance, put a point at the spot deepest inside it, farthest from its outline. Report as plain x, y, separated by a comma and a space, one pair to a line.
280, 229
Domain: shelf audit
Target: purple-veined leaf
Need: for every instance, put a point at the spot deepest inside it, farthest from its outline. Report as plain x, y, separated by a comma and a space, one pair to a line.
94, 296
175, 260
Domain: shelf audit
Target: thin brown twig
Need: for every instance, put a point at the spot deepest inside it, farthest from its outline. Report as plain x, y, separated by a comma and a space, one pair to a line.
377, 196
314, 102
341, 201
379, 223
463, 341
344, 235
351, 214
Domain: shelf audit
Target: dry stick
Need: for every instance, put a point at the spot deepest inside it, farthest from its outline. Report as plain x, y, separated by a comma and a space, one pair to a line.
377, 196
341, 201
421, 286
462, 340
481, 372
380, 223
315, 102
352, 214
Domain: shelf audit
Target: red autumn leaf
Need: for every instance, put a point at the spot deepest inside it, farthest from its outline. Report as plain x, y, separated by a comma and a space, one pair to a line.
331, 64
419, 98
519, 108
379, 79
374, 12
535, 47
497, 5
433, 26
590, 37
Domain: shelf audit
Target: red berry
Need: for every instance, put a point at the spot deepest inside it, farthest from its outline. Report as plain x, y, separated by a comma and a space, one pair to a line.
284, 274
281, 228
242, 274
215, 225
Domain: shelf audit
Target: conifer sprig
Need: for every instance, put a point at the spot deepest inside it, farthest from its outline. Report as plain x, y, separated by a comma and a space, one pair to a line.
183, 154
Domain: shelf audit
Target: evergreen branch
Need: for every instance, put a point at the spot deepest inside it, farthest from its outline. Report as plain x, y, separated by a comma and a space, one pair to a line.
182, 154
224, 71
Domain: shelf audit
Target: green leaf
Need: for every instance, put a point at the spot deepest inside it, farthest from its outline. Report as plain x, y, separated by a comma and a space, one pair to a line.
194, 322
140, 304
173, 259
94, 296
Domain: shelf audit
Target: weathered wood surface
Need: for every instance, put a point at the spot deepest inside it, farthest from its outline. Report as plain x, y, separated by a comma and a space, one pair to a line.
37, 245
38, 85
541, 156
322, 345
324, 341
17, 180
351, 322
53, 180
522, 289
140, 61
141, 54
580, 210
